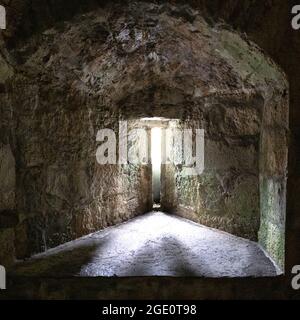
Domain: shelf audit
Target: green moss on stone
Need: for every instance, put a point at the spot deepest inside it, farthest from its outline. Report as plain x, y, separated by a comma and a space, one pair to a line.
272, 238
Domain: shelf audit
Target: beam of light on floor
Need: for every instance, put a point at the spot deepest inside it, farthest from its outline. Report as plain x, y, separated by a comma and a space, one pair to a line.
154, 244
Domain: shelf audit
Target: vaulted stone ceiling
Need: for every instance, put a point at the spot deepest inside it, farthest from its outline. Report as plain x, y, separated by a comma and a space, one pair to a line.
267, 23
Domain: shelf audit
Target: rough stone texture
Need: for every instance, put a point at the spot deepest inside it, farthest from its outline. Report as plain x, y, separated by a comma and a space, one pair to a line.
128, 62
7, 249
268, 24
226, 194
154, 244
8, 216
62, 193
7, 178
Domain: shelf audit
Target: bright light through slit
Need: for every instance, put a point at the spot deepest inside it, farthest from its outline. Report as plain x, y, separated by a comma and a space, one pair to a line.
156, 162
156, 148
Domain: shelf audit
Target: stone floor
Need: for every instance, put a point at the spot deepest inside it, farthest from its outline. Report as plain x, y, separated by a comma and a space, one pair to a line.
155, 244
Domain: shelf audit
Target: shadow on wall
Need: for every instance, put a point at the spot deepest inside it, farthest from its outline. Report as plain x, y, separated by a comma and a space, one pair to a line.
147, 69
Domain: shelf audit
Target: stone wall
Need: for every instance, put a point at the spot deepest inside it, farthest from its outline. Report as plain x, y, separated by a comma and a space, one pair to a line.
8, 216
273, 176
63, 193
52, 188
242, 188
75, 76
226, 194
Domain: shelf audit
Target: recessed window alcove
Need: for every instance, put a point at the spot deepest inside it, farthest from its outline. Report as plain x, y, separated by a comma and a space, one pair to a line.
78, 217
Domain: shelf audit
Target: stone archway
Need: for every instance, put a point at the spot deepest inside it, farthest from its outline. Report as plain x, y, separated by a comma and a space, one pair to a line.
112, 64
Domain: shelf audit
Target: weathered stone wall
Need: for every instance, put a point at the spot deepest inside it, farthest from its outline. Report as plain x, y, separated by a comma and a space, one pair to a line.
52, 188
63, 193
62, 70
273, 175
242, 188
8, 216
226, 194
243, 107
268, 24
